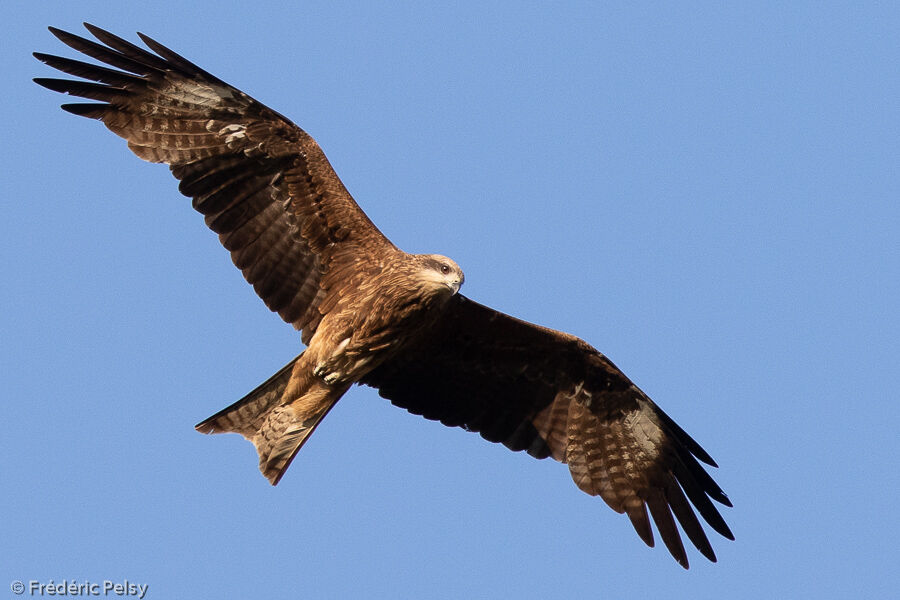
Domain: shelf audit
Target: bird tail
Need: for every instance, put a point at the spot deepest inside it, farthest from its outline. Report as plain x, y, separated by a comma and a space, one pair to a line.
278, 416
247, 414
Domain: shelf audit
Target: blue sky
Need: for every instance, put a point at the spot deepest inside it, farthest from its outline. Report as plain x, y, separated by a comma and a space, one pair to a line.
707, 194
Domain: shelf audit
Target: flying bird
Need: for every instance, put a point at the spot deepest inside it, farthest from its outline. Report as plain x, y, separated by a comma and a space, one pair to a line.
369, 313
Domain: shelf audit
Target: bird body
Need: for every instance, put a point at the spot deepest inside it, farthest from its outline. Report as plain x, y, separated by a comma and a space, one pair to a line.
372, 314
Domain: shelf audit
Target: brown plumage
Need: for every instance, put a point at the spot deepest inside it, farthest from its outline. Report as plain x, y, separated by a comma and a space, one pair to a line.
370, 313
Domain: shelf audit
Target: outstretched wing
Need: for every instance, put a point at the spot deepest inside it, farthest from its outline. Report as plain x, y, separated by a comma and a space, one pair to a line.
551, 394
262, 183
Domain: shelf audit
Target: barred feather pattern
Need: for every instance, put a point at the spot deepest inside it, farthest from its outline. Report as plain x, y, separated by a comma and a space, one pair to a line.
278, 416
262, 183
267, 189
552, 395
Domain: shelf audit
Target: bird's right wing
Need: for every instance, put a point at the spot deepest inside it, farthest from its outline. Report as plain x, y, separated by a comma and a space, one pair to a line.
549, 393
262, 183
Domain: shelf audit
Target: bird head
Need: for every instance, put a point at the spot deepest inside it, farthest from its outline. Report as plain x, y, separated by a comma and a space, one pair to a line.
440, 273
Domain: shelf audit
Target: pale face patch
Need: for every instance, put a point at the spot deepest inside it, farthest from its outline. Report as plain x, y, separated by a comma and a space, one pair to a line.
441, 271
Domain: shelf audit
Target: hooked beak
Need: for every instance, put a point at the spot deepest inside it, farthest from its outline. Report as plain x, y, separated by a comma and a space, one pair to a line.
456, 284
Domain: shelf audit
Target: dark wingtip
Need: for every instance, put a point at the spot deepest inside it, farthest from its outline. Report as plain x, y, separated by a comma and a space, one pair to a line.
91, 111
57, 85
723, 499
64, 36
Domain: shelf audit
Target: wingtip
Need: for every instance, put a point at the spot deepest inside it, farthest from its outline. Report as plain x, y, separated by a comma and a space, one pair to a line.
49, 83
709, 554
103, 35
64, 36
89, 110
727, 533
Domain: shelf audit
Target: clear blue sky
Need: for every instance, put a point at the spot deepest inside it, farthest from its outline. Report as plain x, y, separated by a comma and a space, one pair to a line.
708, 195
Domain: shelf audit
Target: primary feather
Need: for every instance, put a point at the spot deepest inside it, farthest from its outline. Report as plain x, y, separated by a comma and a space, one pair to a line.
373, 314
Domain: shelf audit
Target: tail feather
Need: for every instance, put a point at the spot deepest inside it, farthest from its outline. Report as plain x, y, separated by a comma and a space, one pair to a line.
287, 428
278, 416
246, 415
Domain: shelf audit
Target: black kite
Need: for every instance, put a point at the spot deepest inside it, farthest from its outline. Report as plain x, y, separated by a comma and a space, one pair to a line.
370, 313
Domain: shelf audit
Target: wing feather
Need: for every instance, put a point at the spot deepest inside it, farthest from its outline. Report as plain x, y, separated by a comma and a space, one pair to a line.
685, 515
668, 531
267, 189
551, 394
87, 70
99, 52
261, 182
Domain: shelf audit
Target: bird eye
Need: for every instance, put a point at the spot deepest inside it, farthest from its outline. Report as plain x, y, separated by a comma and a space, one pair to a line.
445, 268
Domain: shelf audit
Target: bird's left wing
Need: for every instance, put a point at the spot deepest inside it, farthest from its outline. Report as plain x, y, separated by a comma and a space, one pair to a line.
551, 394
262, 183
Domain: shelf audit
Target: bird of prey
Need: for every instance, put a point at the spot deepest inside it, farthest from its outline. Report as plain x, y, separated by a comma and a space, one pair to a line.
369, 313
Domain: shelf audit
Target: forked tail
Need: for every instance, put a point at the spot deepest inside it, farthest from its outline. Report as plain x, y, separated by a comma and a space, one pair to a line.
278, 416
